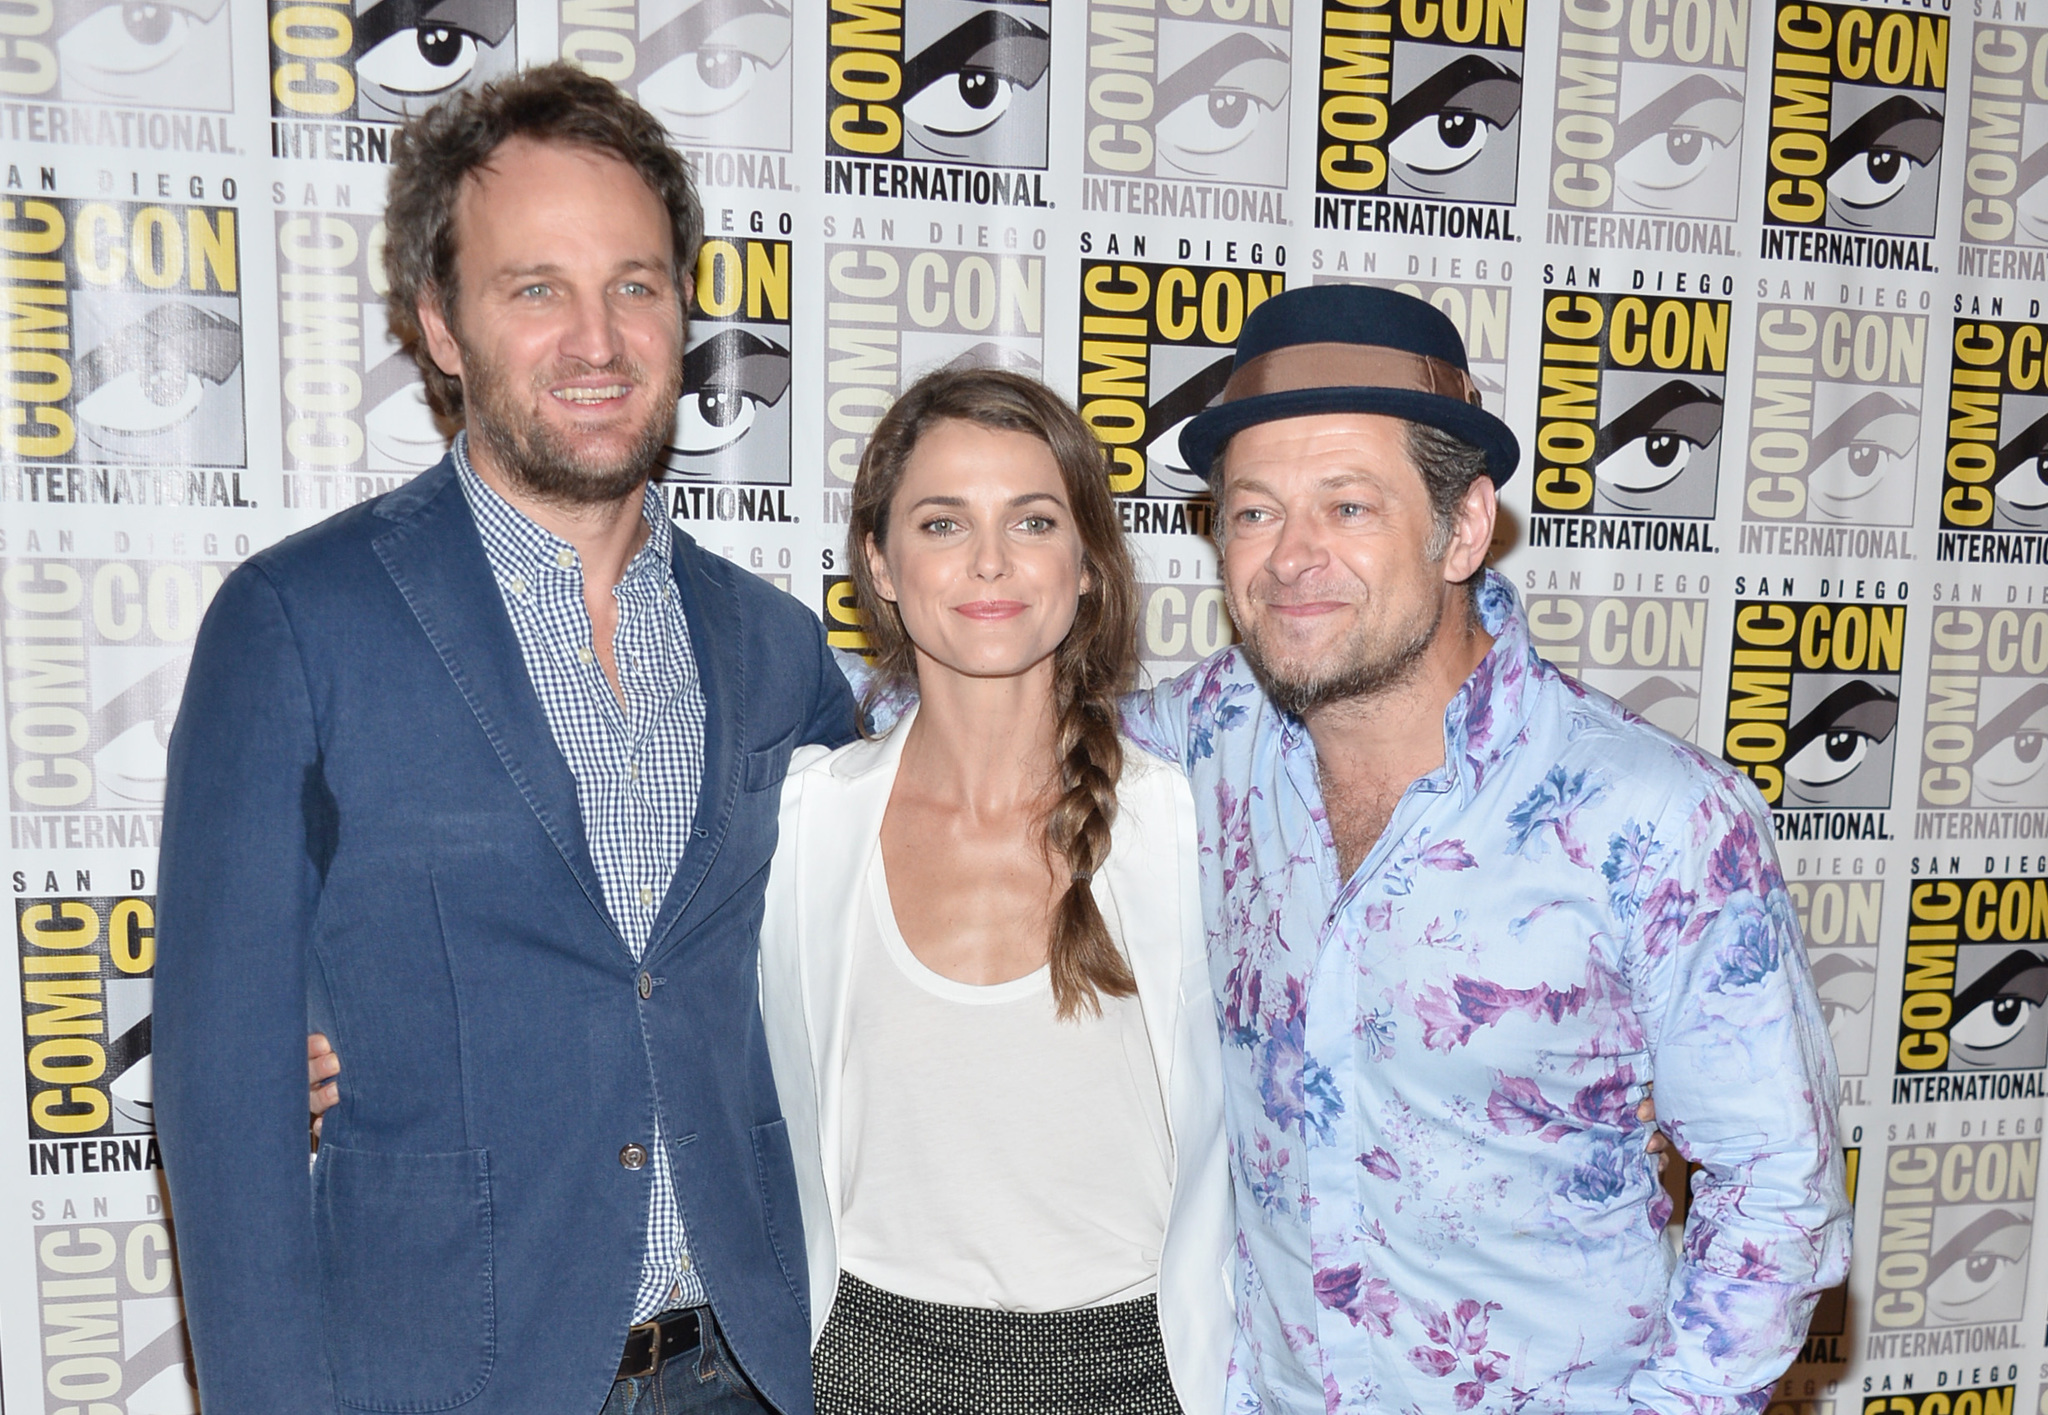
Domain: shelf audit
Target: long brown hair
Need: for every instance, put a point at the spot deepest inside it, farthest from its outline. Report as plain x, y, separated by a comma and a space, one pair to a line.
1093, 666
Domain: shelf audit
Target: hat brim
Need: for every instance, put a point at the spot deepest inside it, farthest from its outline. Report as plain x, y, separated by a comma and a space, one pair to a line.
1201, 441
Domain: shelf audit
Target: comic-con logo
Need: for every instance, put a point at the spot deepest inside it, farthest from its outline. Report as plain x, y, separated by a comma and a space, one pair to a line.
94, 674
1813, 702
1419, 101
127, 334
1958, 1221
1995, 473
896, 313
112, 1325
732, 423
1628, 422
954, 81
1644, 651
1975, 1400
1197, 92
1834, 423
352, 407
1987, 719
86, 970
1838, 917
1156, 347
1648, 116
383, 61
1857, 104
1976, 976
168, 54
2005, 176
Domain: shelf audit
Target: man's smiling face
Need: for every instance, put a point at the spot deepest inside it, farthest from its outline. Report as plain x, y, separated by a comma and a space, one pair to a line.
568, 327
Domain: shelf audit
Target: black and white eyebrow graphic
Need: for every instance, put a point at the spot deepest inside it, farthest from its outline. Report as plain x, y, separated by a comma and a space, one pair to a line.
163, 350
1971, 1237
1674, 409
690, 31
2026, 445
1203, 73
1995, 1008
2017, 719
1898, 128
1846, 982
1652, 691
987, 48
735, 361
1194, 394
1697, 105
1471, 87
1861, 708
990, 353
1847, 428
486, 20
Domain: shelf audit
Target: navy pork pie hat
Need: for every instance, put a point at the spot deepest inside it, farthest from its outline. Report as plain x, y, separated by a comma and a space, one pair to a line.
1349, 349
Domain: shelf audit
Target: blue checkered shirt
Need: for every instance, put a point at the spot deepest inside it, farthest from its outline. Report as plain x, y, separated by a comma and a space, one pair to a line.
637, 767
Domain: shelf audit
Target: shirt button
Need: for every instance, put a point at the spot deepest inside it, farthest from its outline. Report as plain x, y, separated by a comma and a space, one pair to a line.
633, 1156
646, 897
565, 559
684, 1262
632, 771
583, 653
519, 586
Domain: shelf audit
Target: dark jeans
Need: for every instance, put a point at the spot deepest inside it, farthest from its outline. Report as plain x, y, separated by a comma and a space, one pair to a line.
706, 1381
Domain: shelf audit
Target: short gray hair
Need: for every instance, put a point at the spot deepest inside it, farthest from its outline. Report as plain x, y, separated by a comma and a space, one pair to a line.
1449, 465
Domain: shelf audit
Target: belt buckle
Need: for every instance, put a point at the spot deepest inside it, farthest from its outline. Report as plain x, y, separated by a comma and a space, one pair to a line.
652, 1331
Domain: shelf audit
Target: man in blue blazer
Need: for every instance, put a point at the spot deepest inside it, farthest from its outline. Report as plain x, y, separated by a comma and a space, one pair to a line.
481, 779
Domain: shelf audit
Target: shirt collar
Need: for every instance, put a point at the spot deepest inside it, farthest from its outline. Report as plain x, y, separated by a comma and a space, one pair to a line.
1488, 715
517, 545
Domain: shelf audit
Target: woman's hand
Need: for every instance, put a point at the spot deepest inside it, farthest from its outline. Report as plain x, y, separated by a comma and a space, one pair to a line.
322, 1066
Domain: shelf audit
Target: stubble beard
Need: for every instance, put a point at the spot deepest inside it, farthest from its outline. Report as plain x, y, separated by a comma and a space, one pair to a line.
1367, 664
548, 465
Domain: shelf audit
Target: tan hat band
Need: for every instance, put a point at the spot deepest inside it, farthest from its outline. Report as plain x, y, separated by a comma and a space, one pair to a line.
1334, 365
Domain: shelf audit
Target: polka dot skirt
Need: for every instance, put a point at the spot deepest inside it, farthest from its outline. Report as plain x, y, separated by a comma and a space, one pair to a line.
887, 1355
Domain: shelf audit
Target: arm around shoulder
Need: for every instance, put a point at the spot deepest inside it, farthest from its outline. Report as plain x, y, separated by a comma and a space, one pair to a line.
246, 823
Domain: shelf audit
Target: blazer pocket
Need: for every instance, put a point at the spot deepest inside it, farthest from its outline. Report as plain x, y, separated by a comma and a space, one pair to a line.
776, 1170
405, 1276
768, 766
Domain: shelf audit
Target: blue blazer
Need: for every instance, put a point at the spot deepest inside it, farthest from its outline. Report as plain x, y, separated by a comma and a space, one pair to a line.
367, 809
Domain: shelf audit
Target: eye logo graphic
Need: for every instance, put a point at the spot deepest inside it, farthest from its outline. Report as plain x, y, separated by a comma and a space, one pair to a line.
1423, 101
1976, 976
1649, 113
1813, 702
1835, 416
1958, 1225
159, 53
1199, 94
1156, 347
1644, 652
1995, 476
1987, 714
732, 422
2005, 180
1629, 419
1858, 98
957, 81
136, 316
716, 72
386, 60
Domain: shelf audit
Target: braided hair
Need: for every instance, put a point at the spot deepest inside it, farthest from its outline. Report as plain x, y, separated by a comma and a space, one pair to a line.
1092, 668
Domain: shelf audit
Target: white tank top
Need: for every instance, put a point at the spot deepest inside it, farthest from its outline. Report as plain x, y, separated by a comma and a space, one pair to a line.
995, 1156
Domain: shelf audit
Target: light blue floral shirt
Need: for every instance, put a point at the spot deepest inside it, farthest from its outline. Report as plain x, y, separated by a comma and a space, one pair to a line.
1432, 1068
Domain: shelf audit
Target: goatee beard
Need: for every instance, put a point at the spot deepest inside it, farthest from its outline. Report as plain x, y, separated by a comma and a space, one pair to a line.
1361, 678
546, 465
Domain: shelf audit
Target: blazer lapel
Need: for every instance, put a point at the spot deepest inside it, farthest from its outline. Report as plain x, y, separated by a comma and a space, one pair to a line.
436, 558
711, 608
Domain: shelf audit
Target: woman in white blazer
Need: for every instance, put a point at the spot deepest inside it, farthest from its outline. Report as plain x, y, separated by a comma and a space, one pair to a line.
982, 960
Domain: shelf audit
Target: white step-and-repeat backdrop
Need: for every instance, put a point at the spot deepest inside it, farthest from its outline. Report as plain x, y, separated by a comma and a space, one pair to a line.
1760, 284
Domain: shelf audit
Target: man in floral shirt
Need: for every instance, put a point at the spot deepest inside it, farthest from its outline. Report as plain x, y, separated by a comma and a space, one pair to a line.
1462, 913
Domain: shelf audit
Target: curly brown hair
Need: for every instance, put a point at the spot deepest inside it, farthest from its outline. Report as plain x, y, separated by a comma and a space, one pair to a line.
435, 152
1092, 668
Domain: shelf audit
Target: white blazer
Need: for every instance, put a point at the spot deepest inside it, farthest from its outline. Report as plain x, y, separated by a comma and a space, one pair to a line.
832, 805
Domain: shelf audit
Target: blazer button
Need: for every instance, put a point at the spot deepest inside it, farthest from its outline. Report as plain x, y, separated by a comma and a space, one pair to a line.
646, 987
633, 1156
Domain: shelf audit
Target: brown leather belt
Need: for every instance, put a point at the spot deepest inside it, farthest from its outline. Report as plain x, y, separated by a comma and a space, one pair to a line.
653, 1342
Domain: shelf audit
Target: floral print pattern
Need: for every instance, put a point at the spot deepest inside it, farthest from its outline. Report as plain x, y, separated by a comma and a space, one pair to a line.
1432, 1068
